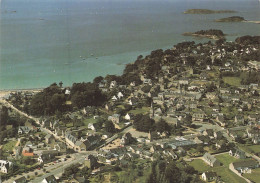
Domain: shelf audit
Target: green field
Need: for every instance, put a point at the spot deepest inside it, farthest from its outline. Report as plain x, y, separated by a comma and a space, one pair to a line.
9, 146
254, 176
89, 120
143, 110
250, 148
233, 81
222, 171
226, 159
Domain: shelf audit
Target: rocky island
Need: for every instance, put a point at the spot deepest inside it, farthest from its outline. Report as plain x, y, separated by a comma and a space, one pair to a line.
211, 34
207, 11
231, 19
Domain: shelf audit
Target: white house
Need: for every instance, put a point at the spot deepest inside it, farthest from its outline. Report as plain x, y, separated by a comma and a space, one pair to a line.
5, 165
120, 95
209, 176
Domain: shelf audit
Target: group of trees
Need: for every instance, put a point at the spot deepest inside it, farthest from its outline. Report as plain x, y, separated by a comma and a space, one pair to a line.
246, 40
49, 101
143, 123
212, 32
86, 94
172, 172
250, 77
52, 99
6, 119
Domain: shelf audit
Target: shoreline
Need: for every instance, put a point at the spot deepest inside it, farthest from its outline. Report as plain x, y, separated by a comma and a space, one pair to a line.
203, 36
6, 92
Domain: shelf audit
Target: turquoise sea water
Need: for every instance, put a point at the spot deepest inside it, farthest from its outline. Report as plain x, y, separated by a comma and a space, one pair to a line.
46, 41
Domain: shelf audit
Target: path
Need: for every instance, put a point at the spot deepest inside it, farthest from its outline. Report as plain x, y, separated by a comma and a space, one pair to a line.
236, 172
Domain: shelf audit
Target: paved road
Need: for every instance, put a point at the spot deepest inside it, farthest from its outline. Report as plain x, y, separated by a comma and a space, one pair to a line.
58, 168
55, 168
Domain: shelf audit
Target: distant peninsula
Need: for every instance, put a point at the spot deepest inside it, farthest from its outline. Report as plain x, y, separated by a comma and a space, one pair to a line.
211, 34
207, 11
231, 19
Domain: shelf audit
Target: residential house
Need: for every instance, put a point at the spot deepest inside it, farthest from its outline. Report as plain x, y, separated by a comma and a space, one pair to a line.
204, 75
147, 81
23, 130
239, 119
221, 143
133, 101
5, 165
245, 166
208, 132
211, 160
61, 147
114, 98
81, 146
170, 153
156, 148
47, 156
20, 180
115, 118
218, 135
253, 117
113, 84
120, 95
49, 138
70, 139
92, 126
198, 116
129, 116
127, 139
27, 151
209, 176
49, 179
91, 162
204, 139
221, 120
211, 95
18, 152
238, 153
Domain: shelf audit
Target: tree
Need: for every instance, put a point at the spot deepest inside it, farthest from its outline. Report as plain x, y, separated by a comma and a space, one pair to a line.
188, 120
143, 123
97, 80
162, 126
60, 84
110, 127
86, 94
172, 173
4, 117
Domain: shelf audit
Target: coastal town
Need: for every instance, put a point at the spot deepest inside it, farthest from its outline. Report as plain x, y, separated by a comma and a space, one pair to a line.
185, 114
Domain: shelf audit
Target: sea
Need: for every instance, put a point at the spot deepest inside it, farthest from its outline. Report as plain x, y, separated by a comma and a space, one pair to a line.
47, 41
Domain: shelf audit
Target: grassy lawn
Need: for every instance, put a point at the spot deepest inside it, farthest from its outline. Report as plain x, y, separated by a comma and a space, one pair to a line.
227, 175
89, 120
226, 159
234, 81
254, 176
143, 110
223, 171
250, 148
9, 146
200, 165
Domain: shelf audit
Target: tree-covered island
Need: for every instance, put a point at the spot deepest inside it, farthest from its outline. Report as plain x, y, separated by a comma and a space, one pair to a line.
207, 11
231, 19
211, 34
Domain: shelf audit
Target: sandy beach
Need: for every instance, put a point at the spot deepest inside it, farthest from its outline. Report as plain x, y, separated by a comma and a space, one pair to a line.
4, 93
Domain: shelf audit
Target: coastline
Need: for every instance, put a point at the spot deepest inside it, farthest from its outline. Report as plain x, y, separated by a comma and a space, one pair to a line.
6, 92
202, 36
